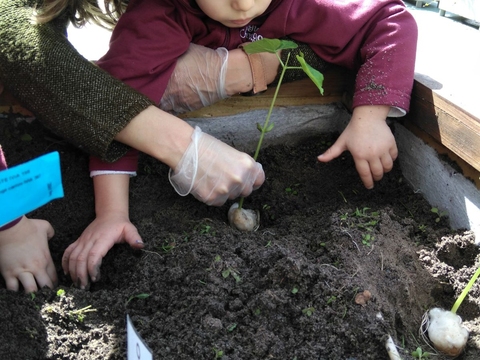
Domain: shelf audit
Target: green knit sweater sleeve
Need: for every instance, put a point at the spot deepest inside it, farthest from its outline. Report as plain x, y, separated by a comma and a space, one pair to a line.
68, 94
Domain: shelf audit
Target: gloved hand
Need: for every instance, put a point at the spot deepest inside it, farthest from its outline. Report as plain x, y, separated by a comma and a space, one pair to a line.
213, 172
198, 80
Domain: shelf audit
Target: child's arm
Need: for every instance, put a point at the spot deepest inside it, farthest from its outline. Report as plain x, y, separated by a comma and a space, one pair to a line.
112, 225
369, 140
24, 255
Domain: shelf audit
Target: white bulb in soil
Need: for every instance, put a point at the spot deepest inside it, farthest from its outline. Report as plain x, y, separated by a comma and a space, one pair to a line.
243, 219
446, 332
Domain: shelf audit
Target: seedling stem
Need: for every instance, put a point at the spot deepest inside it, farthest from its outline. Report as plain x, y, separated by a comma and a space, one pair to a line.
465, 291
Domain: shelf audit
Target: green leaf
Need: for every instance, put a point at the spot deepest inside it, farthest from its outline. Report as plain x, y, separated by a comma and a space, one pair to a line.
314, 75
259, 127
269, 45
269, 128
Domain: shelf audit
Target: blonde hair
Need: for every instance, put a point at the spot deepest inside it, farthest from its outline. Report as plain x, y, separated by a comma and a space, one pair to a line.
80, 12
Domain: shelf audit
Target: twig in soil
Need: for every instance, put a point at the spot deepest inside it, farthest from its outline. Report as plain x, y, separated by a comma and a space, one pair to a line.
351, 238
151, 252
373, 247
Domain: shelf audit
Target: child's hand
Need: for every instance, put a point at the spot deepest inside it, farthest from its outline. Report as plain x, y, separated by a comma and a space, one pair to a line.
83, 258
370, 141
25, 257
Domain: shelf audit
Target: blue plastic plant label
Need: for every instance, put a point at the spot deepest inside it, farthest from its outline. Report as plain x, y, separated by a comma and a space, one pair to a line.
26, 187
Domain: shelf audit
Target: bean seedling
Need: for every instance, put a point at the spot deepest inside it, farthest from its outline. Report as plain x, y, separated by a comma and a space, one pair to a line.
444, 328
246, 219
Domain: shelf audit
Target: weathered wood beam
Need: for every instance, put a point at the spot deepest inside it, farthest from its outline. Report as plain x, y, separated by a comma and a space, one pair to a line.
297, 93
447, 123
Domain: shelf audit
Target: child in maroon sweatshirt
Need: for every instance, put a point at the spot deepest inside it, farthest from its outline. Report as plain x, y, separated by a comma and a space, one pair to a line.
375, 38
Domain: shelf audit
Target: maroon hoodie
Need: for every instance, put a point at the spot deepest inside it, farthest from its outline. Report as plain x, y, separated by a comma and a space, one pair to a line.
375, 38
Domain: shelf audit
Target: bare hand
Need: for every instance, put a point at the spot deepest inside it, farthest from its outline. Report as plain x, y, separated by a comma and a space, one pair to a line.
24, 255
370, 141
83, 258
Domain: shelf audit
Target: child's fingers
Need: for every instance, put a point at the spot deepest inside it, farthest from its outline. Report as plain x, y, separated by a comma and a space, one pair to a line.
332, 152
133, 238
377, 170
363, 169
43, 279
74, 261
12, 283
28, 281
52, 273
66, 258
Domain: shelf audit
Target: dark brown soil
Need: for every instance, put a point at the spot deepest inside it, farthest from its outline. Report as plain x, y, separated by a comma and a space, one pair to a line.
286, 291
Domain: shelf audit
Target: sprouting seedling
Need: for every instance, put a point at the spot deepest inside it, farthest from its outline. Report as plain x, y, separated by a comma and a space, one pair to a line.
420, 354
439, 213
444, 328
80, 314
248, 220
138, 296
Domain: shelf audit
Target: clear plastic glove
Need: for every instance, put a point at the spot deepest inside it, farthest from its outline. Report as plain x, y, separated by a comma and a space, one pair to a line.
198, 80
214, 172
24, 255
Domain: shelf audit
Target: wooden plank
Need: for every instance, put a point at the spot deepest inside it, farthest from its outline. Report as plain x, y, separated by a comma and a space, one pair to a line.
450, 125
338, 81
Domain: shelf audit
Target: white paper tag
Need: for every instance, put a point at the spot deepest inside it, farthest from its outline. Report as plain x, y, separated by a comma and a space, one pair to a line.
136, 347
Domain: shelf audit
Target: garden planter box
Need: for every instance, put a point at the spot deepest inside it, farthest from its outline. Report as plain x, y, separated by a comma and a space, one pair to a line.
288, 290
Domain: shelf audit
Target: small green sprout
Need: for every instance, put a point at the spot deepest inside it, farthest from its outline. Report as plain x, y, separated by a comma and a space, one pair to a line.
138, 296
422, 228
367, 239
80, 314
204, 229
60, 292
227, 272
292, 189
331, 299
232, 327
309, 311
419, 354
439, 213
295, 290
218, 353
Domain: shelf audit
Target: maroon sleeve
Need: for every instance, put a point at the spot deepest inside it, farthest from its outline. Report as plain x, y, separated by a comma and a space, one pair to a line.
145, 45
127, 163
377, 39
